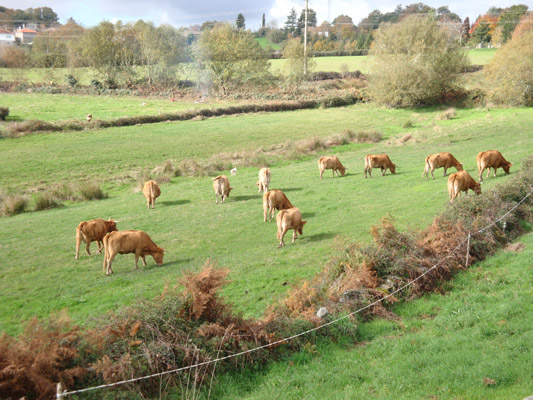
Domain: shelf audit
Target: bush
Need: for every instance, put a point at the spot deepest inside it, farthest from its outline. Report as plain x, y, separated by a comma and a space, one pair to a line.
448, 114
14, 204
92, 191
413, 63
71, 80
45, 201
4, 112
511, 74
408, 124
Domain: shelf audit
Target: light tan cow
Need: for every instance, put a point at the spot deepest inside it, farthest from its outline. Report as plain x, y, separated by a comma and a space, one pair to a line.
264, 180
440, 160
287, 220
330, 162
460, 182
491, 159
93, 231
274, 200
130, 242
151, 192
221, 187
379, 161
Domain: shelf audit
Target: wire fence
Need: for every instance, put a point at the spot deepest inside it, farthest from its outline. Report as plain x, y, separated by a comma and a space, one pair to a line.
63, 393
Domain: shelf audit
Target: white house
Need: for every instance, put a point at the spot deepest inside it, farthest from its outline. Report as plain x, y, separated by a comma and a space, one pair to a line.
25, 35
6, 37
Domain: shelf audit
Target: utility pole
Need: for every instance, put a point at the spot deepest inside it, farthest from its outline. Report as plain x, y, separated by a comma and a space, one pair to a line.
305, 37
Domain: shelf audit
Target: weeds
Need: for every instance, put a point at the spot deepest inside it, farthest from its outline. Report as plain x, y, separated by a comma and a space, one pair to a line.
45, 201
92, 191
14, 204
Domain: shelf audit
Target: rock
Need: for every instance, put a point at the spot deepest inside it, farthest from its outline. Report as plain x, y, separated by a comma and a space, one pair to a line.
322, 312
354, 295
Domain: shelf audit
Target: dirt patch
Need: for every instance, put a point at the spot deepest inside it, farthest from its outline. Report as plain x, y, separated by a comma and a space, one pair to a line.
517, 247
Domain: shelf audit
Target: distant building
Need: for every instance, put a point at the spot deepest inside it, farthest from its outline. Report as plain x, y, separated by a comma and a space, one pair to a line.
7, 37
25, 35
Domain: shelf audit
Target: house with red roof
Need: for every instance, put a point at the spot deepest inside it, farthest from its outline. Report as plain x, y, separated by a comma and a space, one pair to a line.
25, 35
7, 37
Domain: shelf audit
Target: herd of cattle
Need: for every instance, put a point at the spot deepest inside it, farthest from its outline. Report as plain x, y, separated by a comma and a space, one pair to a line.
113, 242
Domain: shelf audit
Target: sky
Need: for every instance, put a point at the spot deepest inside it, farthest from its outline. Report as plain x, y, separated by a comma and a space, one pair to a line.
186, 12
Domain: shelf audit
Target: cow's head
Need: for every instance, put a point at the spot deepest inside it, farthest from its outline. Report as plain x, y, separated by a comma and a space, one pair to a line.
301, 227
459, 166
477, 188
258, 184
111, 225
229, 190
506, 167
342, 169
393, 168
158, 256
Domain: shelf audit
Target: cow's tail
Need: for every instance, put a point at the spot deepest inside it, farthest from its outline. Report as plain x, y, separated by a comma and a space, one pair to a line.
151, 190
452, 187
106, 251
426, 167
80, 233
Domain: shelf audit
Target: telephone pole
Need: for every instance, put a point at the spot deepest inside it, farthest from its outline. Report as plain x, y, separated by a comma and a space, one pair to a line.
305, 37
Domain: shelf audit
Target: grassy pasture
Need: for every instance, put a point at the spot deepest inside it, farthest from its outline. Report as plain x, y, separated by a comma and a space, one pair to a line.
85, 75
443, 347
37, 266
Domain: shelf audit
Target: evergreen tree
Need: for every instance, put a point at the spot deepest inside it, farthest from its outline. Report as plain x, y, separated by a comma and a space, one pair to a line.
291, 23
465, 29
240, 22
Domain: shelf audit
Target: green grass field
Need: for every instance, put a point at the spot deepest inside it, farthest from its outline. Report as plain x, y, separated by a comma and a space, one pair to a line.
473, 343
37, 266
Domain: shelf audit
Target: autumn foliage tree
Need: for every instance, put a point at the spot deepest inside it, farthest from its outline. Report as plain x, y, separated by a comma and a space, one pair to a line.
414, 63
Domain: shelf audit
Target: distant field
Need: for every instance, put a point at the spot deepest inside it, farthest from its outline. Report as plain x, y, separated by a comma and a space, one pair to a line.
37, 268
55, 107
84, 75
473, 343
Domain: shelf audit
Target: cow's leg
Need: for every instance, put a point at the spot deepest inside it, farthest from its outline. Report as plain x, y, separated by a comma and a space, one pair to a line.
281, 235
480, 174
445, 169
152, 200
294, 235
432, 175
137, 255
216, 198
110, 259
99, 245
148, 204
144, 260
365, 172
382, 171
494, 172
488, 172
321, 174
223, 197
87, 248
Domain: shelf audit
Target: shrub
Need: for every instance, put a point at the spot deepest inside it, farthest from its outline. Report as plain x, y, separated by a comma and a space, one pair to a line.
408, 124
14, 204
45, 201
511, 74
413, 63
4, 112
447, 114
368, 136
92, 191
71, 80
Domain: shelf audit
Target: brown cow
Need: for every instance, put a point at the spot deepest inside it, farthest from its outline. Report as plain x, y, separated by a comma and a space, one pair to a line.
93, 231
264, 180
221, 187
460, 182
379, 161
274, 199
331, 162
287, 220
440, 160
128, 242
491, 159
151, 192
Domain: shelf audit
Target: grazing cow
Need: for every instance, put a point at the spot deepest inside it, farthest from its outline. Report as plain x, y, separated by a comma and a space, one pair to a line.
264, 180
274, 200
440, 160
221, 187
331, 162
460, 182
93, 231
287, 220
379, 161
151, 192
128, 242
491, 159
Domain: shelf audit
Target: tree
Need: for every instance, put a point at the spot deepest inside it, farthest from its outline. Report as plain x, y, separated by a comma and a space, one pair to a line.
231, 58
240, 22
482, 30
525, 25
413, 63
291, 23
465, 28
293, 52
510, 72
508, 20
263, 21
311, 21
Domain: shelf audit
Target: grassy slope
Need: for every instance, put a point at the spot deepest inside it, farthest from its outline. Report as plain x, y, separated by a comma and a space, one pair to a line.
443, 347
37, 266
